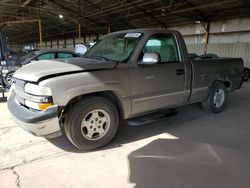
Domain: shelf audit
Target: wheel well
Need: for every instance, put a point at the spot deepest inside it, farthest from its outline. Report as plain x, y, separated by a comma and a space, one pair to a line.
246, 69
110, 95
227, 84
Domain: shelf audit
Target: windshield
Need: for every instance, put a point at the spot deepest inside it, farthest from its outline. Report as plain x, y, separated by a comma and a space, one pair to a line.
117, 47
28, 56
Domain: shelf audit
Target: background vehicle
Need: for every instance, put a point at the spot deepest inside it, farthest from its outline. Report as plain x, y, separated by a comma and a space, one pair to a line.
246, 74
209, 56
43, 54
193, 56
124, 75
46, 54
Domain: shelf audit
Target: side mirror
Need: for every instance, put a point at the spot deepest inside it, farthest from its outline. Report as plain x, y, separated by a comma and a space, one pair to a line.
150, 59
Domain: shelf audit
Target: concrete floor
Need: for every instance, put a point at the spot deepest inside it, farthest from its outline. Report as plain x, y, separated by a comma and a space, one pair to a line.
192, 149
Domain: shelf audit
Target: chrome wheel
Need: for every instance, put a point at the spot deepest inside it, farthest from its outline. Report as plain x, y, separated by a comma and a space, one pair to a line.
95, 124
219, 98
8, 79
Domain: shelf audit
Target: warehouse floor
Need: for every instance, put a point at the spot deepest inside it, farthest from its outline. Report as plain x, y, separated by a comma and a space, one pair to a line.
191, 149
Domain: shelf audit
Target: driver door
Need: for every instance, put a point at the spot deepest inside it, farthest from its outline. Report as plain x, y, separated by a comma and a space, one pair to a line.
160, 85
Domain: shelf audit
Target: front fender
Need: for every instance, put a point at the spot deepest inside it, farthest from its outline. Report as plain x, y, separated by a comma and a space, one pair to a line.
67, 87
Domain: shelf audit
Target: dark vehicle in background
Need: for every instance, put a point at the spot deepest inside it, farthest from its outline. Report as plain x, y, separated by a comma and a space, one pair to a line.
46, 54
209, 56
38, 55
204, 56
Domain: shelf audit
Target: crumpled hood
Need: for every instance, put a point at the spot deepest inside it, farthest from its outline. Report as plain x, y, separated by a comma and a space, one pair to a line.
37, 70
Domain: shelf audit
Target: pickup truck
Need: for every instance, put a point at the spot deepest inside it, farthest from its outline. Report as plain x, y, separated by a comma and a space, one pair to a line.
124, 75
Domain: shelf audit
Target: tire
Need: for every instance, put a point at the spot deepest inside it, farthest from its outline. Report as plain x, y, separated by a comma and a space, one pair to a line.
91, 123
7, 79
246, 75
216, 100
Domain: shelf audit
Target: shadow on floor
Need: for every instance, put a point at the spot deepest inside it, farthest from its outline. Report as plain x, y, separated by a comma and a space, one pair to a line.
127, 134
183, 163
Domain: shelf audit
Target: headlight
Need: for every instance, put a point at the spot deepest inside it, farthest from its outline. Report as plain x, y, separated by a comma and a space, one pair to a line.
37, 90
37, 106
40, 97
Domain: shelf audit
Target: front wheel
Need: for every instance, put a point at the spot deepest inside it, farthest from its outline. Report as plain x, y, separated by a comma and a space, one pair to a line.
217, 98
91, 123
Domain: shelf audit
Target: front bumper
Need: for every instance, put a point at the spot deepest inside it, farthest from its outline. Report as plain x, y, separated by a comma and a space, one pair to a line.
40, 123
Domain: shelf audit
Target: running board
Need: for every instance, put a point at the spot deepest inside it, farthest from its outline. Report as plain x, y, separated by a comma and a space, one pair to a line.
150, 118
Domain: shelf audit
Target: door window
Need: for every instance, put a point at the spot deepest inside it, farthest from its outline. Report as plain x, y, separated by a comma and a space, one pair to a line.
64, 55
164, 45
46, 56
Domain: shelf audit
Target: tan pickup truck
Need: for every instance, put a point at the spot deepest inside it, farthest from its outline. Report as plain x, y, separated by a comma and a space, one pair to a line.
124, 75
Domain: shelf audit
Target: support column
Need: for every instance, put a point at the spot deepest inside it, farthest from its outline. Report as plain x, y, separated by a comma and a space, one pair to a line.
207, 29
79, 31
74, 42
65, 43
40, 33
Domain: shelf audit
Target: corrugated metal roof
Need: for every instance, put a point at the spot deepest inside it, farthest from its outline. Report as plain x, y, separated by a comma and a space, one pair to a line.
96, 15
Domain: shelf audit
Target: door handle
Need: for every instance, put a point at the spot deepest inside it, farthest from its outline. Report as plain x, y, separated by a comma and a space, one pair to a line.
180, 71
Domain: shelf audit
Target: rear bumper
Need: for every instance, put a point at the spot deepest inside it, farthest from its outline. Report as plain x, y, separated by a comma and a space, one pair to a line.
40, 123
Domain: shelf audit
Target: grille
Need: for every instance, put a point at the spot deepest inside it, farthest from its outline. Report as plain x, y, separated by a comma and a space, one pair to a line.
19, 89
19, 84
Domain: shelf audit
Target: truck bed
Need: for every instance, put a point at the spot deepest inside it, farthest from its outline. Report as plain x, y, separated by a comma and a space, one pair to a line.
206, 71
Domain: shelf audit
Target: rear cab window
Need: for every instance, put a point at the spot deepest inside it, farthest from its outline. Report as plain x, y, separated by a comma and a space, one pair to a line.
46, 56
64, 55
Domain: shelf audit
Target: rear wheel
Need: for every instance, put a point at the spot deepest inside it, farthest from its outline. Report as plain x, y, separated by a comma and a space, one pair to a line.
217, 98
91, 123
246, 74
